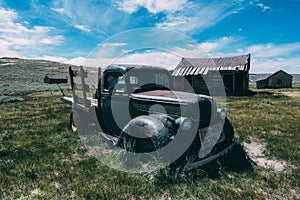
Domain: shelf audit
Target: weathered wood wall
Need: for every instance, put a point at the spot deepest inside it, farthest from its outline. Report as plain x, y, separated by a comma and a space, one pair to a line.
233, 82
280, 80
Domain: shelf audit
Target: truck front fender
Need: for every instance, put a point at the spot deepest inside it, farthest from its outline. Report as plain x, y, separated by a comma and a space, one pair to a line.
144, 133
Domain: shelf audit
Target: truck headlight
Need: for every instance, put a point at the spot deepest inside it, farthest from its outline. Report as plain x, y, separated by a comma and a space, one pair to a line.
184, 123
222, 113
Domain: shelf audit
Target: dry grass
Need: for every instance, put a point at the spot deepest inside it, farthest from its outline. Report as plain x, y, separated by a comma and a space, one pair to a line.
37, 150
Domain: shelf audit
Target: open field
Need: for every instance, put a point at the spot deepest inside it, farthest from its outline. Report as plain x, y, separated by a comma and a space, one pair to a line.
41, 159
19, 76
37, 156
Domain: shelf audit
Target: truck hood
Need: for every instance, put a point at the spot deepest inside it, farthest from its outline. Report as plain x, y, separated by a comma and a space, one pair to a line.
170, 97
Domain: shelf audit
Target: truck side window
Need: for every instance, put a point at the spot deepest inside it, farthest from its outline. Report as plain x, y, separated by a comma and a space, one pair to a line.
120, 86
133, 80
114, 81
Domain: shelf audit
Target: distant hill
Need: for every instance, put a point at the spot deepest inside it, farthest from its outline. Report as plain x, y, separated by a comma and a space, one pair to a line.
26, 75
4, 61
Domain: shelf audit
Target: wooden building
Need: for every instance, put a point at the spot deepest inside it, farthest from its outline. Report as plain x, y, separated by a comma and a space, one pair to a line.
279, 79
52, 79
229, 74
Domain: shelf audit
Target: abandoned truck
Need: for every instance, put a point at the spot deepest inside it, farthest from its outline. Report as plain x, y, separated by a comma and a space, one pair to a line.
138, 103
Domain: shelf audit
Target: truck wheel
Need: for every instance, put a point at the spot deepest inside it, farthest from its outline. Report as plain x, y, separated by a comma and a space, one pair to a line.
136, 145
228, 129
144, 145
74, 121
135, 131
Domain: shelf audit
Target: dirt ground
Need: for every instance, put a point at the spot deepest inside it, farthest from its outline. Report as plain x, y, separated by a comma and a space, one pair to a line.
255, 151
292, 94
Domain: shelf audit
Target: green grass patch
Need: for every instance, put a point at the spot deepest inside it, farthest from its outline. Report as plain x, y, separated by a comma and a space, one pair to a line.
36, 156
8, 99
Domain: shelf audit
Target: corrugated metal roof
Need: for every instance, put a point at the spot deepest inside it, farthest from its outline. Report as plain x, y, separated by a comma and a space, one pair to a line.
196, 66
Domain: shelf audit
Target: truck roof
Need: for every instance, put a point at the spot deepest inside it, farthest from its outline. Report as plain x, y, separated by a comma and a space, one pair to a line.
123, 68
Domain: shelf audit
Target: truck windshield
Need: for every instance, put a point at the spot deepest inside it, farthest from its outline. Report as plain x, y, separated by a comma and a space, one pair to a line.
149, 81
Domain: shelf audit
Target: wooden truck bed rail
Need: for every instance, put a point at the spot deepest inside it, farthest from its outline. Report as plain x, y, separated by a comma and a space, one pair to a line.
80, 100
70, 101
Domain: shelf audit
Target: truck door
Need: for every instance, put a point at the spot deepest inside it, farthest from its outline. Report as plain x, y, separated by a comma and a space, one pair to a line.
115, 105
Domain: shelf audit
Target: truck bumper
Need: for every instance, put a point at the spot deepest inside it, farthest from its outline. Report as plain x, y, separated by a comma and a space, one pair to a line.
209, 159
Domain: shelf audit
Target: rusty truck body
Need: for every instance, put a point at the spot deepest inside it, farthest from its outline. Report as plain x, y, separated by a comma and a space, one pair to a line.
130, 98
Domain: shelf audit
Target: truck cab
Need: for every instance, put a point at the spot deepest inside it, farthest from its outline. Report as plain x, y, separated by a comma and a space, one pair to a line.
119, 87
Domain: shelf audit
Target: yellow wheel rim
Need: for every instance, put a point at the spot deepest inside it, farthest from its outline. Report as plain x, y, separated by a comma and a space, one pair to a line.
73, 124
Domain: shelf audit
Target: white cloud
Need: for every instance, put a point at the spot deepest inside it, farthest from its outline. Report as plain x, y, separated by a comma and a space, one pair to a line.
263, 7
154, 58
17, 39
270, 65
51, 58
153, 6
5, 51
98, 62
206, 48
83, 28
271, 57
195, 17
59, 10
161, 59
73, 61
164, 59
114, 44
98, 17
53, 40
76, 61
265, 58
176, 22
275, 50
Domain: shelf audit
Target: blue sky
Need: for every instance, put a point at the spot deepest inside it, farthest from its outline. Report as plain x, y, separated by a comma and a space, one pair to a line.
153, 31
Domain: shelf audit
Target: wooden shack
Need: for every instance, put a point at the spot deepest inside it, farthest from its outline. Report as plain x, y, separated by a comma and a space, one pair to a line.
229, 74
55, 79
279, 79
